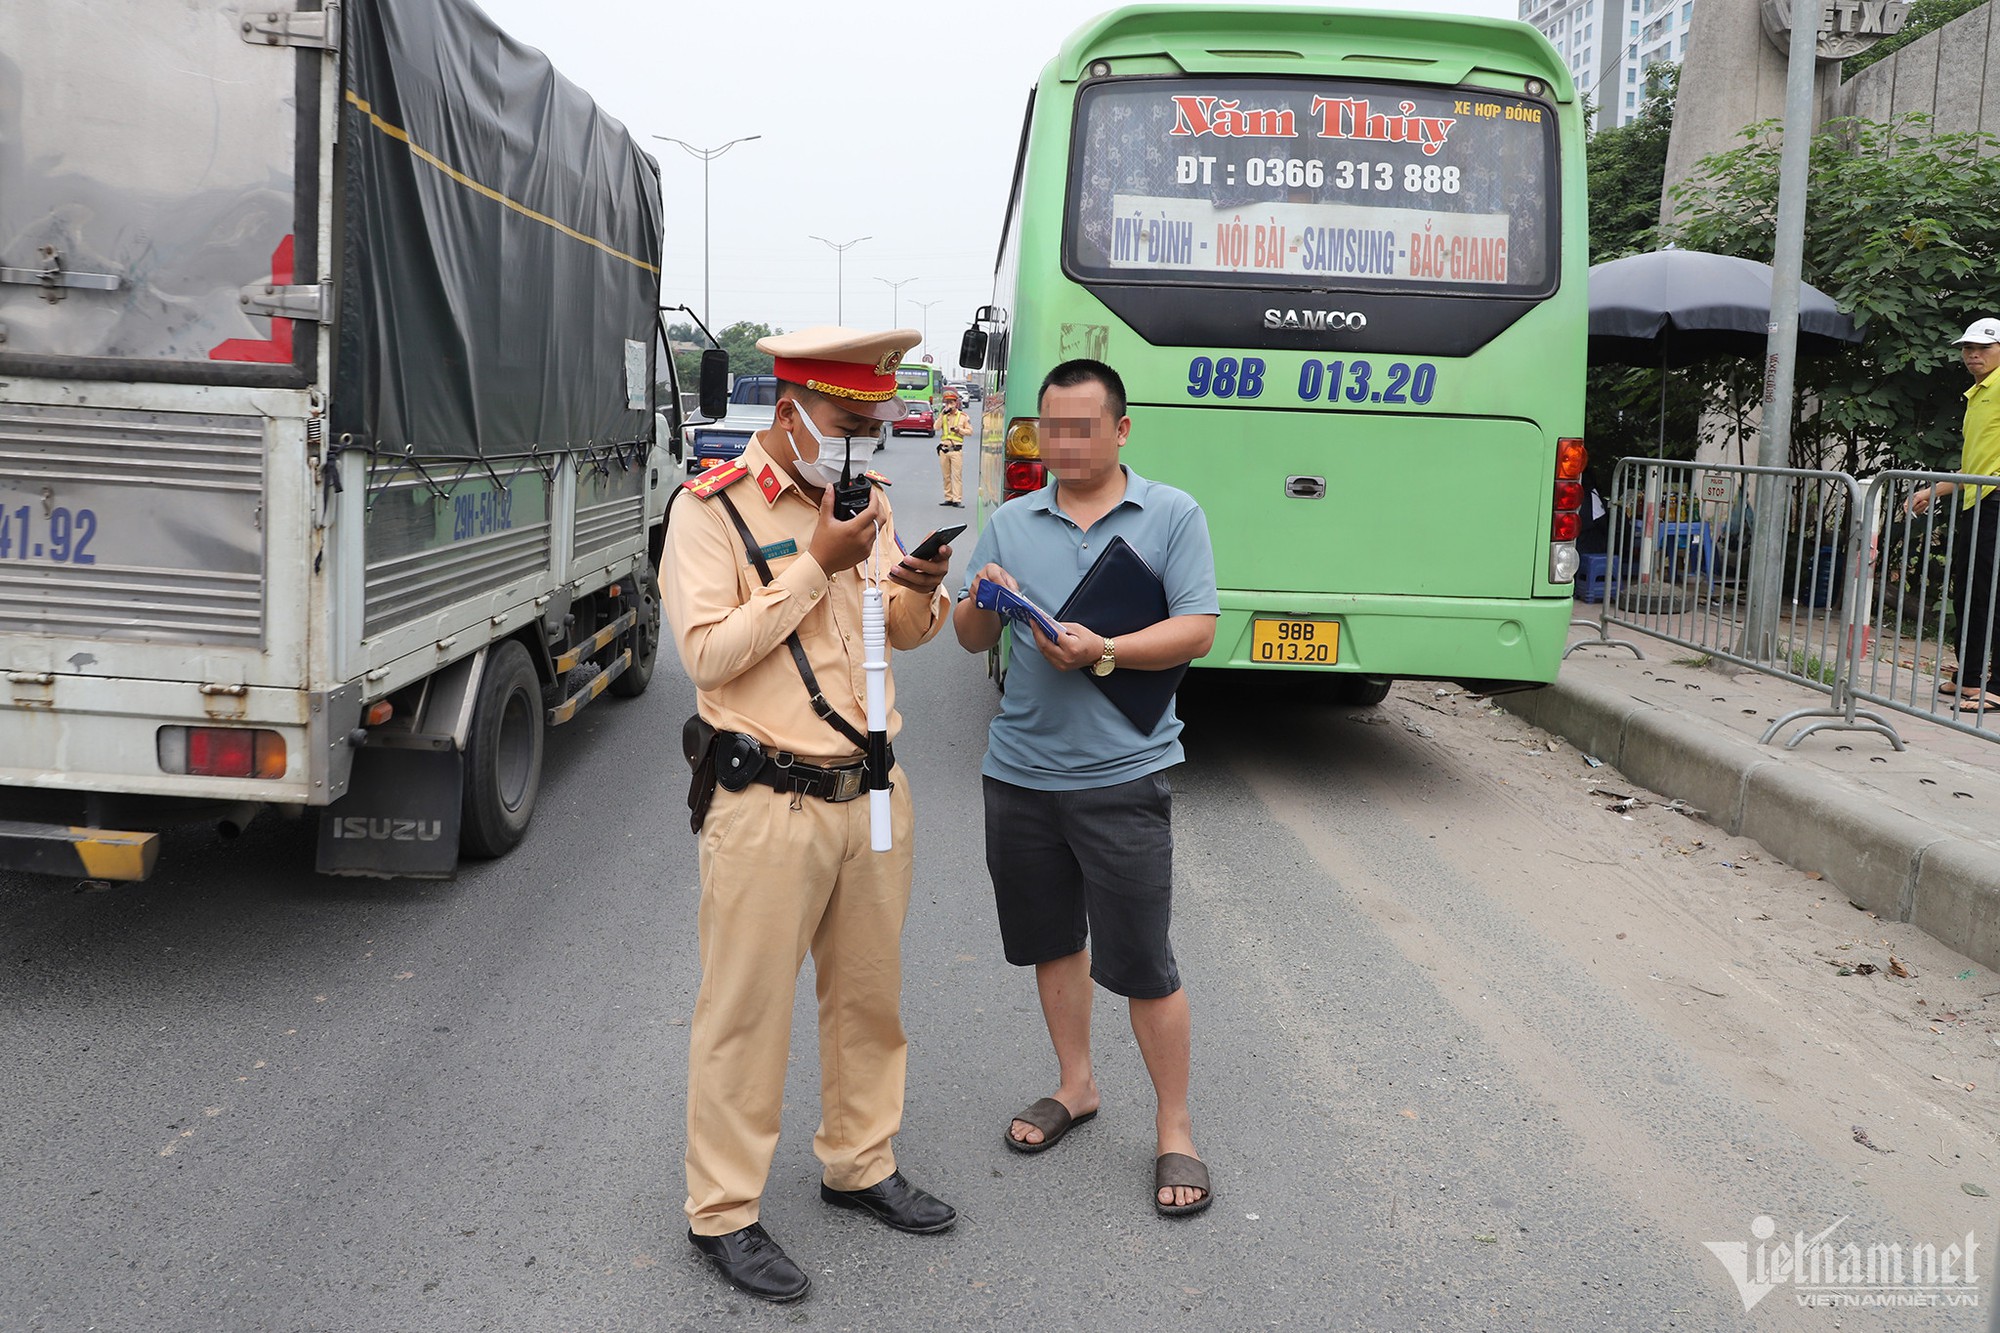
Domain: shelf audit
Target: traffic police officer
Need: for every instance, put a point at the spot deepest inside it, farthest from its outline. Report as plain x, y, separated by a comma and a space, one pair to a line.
952, 430
762, 588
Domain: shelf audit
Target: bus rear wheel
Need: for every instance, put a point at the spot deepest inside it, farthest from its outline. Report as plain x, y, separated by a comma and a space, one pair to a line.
1360, 691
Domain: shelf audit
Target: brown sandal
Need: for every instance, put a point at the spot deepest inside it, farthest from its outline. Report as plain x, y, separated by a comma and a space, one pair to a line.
1052, 1118
1172, 1169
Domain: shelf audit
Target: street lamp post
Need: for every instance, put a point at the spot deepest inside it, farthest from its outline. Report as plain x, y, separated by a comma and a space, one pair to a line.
895, 301
925, 306
707, 155
840, 250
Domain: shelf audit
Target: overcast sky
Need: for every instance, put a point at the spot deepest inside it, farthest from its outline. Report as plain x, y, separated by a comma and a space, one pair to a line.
898, 123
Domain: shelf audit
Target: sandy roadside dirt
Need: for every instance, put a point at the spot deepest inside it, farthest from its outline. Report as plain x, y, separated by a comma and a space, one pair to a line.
1871, 1043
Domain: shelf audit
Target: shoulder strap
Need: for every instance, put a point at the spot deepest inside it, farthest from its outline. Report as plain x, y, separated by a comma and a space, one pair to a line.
763, 566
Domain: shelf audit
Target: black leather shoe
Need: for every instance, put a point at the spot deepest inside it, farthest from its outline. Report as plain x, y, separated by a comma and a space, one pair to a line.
754, 1263
897, 1202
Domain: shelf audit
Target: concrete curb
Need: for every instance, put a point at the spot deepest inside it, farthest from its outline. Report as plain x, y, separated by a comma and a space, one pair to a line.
1890, 862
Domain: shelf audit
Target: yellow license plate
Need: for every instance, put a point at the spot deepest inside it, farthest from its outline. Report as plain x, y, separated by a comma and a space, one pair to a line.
1301, 642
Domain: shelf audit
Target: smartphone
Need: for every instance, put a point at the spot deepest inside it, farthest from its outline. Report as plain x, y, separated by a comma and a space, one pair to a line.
928, 548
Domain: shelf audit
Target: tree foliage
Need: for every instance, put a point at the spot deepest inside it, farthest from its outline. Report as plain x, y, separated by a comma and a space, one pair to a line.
1626, 167
1925, 16
739, 340
1903, 231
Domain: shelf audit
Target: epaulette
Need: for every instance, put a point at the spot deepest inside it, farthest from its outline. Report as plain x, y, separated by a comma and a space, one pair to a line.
877, 478
722, 474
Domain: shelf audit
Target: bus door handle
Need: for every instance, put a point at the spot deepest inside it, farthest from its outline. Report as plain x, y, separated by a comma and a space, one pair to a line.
1305, 488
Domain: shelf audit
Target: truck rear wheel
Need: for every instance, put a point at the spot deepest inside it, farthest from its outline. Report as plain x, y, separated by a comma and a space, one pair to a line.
645, 642
503, 755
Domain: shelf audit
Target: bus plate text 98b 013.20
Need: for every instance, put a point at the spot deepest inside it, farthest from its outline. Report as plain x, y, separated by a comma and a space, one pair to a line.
1306, 642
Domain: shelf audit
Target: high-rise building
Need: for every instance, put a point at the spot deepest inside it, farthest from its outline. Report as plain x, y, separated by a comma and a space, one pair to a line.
1609, 44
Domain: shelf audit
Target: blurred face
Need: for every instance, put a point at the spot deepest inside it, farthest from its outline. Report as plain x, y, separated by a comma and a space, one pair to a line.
1981, 359
1080, 437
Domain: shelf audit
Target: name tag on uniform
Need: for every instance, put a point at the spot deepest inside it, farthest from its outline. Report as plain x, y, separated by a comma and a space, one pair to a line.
778, 549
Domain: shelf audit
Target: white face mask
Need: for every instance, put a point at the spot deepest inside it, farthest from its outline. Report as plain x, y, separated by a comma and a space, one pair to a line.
847, 452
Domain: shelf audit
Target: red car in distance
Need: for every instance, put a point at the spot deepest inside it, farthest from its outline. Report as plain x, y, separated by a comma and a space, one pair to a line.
921, 419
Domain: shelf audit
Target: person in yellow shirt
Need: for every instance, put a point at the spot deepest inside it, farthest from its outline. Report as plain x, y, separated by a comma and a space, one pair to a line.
762, 587
952, 431
1976, 544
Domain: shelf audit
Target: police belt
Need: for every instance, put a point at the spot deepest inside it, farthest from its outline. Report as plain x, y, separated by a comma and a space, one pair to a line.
950, 448
785, 773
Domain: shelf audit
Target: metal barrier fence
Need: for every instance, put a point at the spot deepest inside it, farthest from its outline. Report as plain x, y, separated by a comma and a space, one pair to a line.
1860, 596
1927, 607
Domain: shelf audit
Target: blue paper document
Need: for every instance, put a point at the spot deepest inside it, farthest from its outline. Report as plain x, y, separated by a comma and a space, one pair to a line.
993, 597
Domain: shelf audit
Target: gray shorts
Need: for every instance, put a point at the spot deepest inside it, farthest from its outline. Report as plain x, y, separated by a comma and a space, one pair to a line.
1095, 866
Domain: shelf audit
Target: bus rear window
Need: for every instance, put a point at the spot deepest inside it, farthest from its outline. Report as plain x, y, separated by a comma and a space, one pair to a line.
1315, 183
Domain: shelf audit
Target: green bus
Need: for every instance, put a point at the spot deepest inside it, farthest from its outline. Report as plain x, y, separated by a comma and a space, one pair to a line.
920, 383
1338, 257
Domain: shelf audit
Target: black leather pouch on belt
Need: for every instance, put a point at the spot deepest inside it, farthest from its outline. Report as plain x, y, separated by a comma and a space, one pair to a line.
738, 759
698, 745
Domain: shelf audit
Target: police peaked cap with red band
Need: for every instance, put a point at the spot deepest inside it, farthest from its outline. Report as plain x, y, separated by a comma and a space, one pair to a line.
856, 369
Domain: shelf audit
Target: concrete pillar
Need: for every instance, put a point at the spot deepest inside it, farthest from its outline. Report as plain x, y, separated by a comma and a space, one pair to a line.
1733, 75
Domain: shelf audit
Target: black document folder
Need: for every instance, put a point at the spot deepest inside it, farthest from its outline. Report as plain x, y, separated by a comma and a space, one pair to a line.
1122, 595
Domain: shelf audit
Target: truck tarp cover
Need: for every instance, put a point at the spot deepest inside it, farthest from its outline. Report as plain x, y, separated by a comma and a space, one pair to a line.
502, 245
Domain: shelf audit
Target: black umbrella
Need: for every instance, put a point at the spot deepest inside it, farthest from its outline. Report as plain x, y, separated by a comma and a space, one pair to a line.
1672, 307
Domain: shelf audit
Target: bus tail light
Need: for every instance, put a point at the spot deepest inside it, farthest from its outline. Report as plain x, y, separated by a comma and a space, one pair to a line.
1024, 471
1571, 457
1024, 438
1025, 477
1567, 523
222, 752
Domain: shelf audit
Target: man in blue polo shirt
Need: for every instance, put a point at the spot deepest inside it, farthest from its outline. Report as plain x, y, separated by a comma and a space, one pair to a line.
1078, 834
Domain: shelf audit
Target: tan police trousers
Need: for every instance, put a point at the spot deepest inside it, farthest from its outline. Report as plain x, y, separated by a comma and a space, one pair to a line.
781, 875
952, 462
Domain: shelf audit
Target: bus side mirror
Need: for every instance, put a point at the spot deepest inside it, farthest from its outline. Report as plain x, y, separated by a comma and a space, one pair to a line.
972, 349
714, 383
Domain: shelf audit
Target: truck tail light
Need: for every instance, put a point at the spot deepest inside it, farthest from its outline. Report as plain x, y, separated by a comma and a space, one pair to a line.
222, 752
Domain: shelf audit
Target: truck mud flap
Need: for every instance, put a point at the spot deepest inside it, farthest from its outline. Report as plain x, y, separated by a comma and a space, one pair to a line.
400, 816
82, 853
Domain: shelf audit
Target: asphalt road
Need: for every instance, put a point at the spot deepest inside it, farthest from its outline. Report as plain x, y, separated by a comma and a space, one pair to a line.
240, 1096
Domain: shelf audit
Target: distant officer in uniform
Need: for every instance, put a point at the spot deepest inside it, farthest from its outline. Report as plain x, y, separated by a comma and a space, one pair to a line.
758, 576
951, 448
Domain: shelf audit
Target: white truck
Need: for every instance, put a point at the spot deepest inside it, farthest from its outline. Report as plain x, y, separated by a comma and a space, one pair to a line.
328, 469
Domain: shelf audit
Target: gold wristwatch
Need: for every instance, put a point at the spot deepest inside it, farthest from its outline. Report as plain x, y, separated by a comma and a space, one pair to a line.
1103, 665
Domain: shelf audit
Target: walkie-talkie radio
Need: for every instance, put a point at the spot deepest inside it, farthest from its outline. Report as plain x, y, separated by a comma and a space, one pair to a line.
850, 493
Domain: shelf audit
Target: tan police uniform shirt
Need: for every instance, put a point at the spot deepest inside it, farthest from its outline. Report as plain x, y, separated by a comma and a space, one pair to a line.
731, 628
